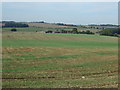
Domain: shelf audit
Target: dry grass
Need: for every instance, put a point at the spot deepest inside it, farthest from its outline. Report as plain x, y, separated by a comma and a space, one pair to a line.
46, 25
59, 67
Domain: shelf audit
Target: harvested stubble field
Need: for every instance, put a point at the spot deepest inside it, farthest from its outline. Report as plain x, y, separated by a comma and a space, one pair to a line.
34, 60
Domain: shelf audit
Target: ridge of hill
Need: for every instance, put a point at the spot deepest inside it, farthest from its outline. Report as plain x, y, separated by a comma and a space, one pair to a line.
47, 25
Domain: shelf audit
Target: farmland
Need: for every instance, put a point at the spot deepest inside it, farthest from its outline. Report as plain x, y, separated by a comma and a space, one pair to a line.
33, 27
37, 60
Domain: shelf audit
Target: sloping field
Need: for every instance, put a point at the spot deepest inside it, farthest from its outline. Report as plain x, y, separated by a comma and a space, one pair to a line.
47, 25
34, 60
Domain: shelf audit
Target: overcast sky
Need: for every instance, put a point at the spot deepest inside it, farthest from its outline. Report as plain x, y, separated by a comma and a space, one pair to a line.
64, 12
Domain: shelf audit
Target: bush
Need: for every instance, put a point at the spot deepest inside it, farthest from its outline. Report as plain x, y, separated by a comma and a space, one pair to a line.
86, 32
49, 32
74, 31
13, 30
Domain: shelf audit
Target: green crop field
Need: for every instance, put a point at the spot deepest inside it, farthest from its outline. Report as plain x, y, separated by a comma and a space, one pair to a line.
27, 29
36, 60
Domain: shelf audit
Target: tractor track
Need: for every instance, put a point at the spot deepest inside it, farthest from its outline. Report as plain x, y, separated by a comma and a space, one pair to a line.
58, 78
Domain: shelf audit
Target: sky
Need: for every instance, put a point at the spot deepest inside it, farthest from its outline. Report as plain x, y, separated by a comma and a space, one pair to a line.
60, 0
62, 12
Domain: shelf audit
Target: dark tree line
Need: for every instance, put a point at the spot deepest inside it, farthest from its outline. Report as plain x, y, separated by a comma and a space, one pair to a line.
103, 25
74, 31
110, 32
15, 24
65, 24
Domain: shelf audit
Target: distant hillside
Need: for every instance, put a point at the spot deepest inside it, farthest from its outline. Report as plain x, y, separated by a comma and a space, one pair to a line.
47, 25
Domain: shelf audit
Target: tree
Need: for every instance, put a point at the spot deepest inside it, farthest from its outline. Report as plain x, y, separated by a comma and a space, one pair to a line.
14, 30
49, 31
74, 31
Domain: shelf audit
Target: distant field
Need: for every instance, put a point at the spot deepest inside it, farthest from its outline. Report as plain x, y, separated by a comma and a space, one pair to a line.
27, 29
33, 27
34, 60
46, 25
